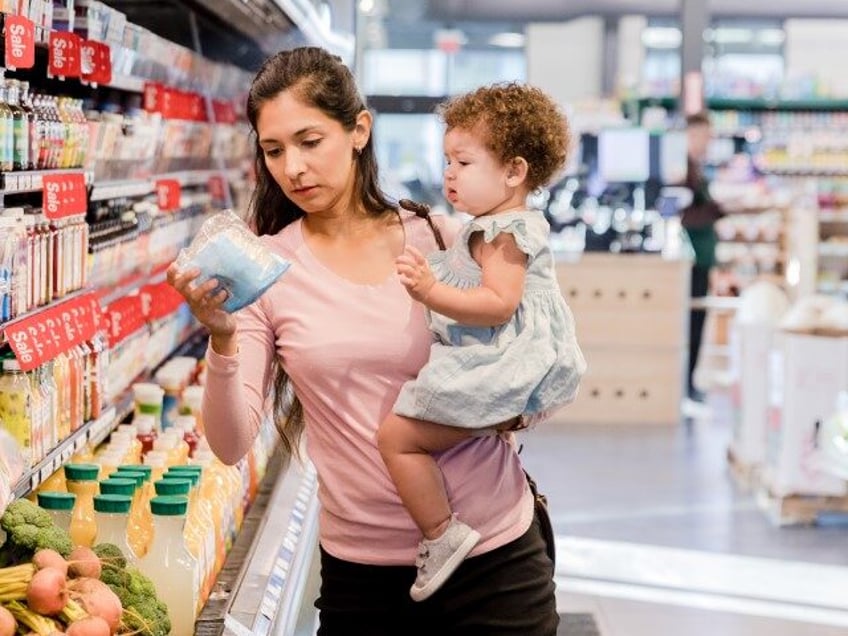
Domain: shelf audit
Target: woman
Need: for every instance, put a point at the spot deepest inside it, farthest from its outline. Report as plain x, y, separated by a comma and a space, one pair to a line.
340, 329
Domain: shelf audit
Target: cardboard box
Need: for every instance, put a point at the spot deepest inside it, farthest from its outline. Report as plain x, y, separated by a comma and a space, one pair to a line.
751, 347
806, 375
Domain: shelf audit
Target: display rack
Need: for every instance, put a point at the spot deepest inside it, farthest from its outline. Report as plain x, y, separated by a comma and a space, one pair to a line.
269, 580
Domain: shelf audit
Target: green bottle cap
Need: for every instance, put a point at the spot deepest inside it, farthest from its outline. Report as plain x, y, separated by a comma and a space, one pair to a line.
172, 487
116, 486
187, 468
174, 506
137, 475
112, 503
136, 468
192, 476
82, 472
56, 500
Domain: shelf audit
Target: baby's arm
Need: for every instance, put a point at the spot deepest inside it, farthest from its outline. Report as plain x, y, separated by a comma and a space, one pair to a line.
492, 303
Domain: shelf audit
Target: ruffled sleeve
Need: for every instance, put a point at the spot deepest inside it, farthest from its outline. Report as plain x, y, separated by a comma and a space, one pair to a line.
529, 228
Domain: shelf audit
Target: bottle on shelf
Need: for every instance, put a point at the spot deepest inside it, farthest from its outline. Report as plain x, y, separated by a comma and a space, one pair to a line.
82, 481
59, 505
170, 566
137, 536
7, 131
112, 516
140, 517
17, 408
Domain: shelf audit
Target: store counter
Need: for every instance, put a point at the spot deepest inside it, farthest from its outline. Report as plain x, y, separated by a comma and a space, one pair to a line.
632, 315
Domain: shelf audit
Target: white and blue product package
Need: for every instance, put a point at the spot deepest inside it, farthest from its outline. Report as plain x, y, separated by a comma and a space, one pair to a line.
226, 249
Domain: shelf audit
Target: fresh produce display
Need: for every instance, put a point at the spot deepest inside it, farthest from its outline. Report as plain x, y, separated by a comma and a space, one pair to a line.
28, 529
48, 588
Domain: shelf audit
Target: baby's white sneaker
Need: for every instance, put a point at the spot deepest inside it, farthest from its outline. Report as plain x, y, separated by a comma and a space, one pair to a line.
438, 558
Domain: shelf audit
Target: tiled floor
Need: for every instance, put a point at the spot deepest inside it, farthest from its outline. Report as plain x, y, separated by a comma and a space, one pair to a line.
656, 539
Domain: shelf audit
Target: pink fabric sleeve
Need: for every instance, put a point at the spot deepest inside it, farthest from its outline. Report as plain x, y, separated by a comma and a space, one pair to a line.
236, 386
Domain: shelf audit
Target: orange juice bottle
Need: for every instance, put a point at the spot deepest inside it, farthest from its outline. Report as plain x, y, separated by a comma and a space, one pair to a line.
82, 482
141, 519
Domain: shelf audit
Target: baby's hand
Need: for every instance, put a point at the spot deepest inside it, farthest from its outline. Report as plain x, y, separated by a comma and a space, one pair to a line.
414, 272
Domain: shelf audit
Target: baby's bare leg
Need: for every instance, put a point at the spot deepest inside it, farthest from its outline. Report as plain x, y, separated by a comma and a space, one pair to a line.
406, 446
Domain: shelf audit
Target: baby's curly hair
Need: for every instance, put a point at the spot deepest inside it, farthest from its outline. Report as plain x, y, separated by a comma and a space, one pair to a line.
518, 121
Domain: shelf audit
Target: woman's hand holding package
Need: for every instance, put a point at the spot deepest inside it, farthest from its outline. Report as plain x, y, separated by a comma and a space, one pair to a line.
205, 304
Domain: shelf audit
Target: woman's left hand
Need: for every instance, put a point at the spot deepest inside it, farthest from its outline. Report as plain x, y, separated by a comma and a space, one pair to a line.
415, 274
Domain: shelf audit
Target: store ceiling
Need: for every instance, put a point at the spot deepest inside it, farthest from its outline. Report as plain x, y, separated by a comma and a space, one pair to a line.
552, 10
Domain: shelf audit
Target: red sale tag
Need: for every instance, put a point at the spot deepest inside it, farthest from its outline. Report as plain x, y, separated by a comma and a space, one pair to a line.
168, 194
153, 97
88, 51
64, 54
63, 195
41, 337
103, 63
20, 42
96, 62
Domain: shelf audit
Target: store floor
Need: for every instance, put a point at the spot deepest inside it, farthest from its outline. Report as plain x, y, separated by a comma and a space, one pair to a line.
654, 537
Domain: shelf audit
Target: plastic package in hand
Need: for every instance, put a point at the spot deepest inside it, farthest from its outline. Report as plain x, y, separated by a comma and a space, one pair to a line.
225, 249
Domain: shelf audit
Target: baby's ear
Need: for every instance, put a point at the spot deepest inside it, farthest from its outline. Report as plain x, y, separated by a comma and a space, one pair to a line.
516, 171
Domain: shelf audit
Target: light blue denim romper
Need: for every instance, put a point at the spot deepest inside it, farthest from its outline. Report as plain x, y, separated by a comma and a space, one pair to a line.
482, 376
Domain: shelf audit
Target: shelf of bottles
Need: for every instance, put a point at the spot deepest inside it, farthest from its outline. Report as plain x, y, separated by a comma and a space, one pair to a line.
96, 199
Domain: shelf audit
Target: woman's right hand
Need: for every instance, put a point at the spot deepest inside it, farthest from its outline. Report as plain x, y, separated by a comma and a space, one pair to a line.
204, 303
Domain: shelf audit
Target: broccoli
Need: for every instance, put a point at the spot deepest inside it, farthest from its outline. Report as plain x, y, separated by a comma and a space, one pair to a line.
30, 528
143, 612
110, 556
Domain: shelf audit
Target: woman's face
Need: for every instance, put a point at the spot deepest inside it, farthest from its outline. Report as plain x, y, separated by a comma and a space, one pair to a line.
309, 154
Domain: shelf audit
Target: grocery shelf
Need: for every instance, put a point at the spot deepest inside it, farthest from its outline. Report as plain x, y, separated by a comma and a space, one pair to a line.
120, 188
60, 455
40, 309
93, 432
32, 180
127, 83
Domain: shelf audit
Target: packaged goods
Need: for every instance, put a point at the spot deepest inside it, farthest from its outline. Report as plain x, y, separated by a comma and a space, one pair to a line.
225, 249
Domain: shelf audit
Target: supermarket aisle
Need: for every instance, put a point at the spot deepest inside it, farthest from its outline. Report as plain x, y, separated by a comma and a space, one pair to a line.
654, 538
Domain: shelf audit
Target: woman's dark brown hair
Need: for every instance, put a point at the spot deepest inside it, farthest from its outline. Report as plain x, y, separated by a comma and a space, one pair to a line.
321, 80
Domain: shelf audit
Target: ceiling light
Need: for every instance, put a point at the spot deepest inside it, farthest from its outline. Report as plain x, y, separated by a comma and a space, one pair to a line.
366, 6
507, 40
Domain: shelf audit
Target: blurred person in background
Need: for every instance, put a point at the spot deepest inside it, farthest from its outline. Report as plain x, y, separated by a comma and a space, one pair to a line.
699, 219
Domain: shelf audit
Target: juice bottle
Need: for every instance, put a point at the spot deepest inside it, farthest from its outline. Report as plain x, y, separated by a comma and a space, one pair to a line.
202, 518
127, 487
192, 532
16, 408
59, 505
187, 424
141, 520
170, 566
192, 402
82, 481
112, 515
212, 492
146, 433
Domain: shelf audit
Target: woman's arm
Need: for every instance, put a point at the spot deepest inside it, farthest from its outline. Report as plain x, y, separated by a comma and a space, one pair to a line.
492, 303
237, 385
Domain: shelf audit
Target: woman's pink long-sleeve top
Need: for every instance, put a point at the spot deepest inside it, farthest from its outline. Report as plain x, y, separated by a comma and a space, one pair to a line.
348, 349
